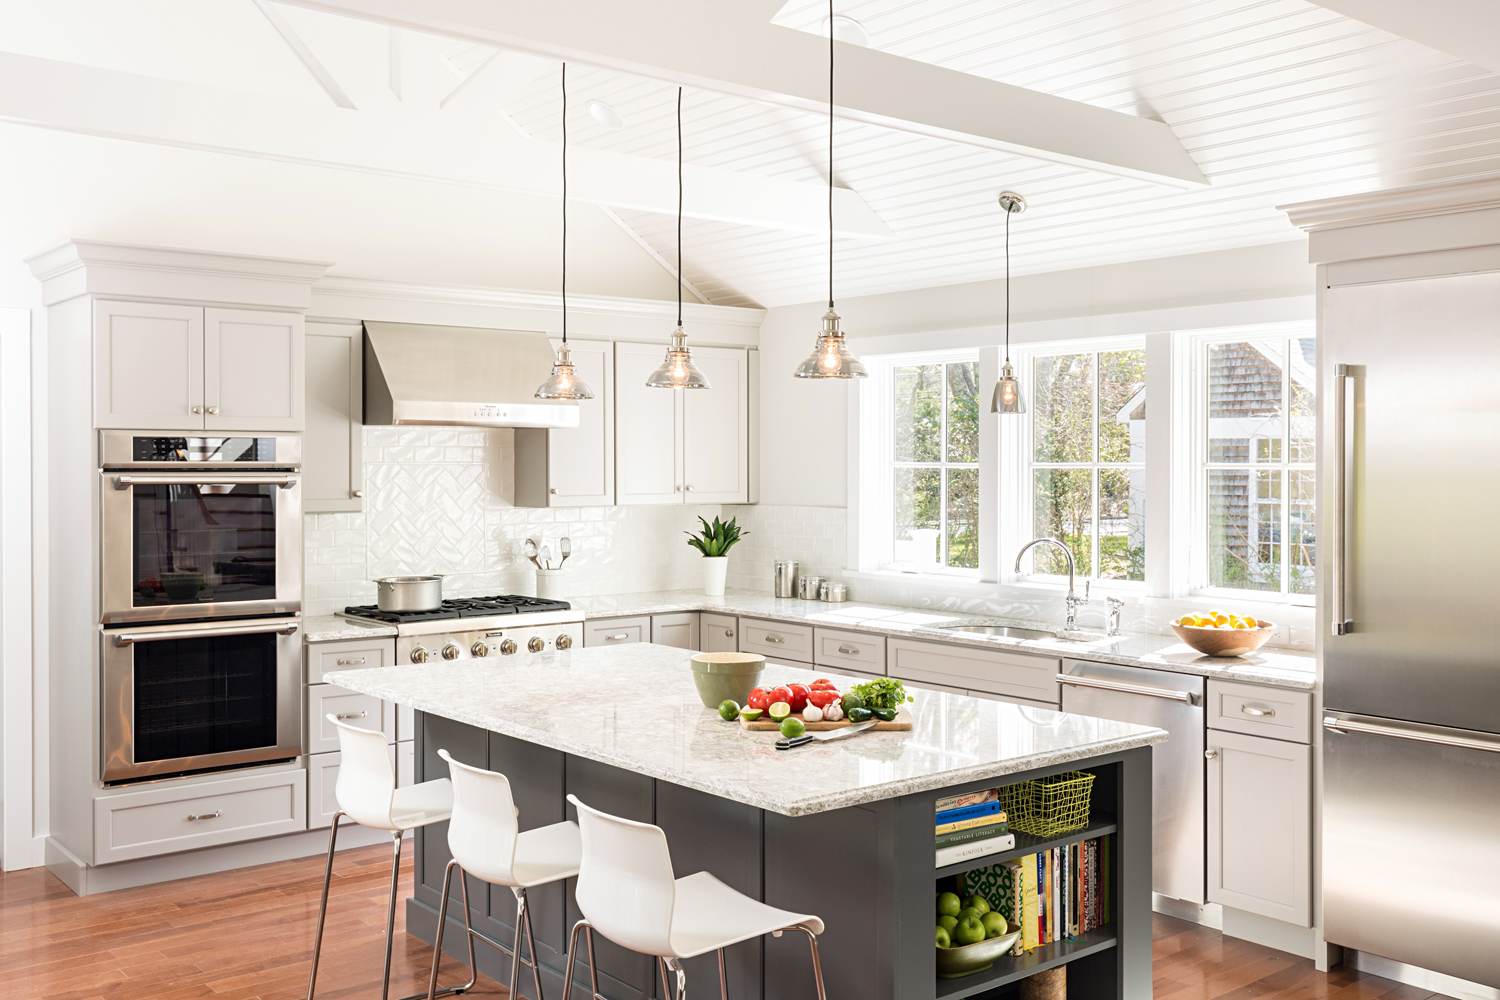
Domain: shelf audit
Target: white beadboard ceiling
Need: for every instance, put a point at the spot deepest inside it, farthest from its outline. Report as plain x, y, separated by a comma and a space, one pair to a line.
1276, 100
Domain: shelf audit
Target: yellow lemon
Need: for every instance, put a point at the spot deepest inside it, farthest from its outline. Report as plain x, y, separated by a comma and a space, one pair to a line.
1242, 624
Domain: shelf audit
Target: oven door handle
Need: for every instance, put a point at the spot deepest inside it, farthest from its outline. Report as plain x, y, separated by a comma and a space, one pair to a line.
126, 638
125, 482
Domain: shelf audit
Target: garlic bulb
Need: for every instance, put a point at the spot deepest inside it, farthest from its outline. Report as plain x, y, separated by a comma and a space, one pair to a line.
833, 712
812, 713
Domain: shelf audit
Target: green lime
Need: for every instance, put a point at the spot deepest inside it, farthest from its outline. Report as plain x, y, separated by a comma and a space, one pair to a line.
948, 904
947, 923
852, 701
729, 709
979, 903
780, 711
751, 714
943, 941
791, 727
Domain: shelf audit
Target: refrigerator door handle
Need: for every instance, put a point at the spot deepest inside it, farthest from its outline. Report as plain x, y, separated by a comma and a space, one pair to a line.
1463, 738
1338, 610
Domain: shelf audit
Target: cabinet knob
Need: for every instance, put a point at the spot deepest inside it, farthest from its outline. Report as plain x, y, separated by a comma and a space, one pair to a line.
197, 409
358, 494
553, 491
729, 633
1210, 754
688, 488
213, 410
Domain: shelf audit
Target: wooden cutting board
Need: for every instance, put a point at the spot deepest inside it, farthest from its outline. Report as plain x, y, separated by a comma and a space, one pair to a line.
901, 723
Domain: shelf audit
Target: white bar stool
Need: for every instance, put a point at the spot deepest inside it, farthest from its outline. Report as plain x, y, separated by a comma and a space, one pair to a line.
626, 891
485, 840
367, 794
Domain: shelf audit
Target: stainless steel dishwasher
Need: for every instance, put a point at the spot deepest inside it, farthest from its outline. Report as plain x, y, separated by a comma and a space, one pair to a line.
1169, 701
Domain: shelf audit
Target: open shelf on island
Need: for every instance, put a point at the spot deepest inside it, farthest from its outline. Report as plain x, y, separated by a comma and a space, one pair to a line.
1013, 967
1029, 844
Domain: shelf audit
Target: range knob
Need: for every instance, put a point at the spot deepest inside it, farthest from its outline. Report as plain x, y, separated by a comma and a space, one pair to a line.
507, 647
565, 641
450, 652
480, 649
419, 655
537, 644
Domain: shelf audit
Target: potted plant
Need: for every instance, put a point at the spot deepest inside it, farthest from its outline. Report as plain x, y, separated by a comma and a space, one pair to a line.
715, 541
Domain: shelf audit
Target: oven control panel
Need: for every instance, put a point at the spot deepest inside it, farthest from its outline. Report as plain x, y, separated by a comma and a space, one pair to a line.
480, 643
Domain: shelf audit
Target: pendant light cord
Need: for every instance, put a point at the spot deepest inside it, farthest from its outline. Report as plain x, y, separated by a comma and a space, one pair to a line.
830, 154
679, 207
565, 202
1007, 285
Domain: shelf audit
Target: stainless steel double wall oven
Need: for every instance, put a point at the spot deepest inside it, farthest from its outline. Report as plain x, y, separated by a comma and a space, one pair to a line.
201, 599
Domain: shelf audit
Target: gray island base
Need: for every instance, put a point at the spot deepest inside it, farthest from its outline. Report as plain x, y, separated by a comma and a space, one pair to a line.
843, 830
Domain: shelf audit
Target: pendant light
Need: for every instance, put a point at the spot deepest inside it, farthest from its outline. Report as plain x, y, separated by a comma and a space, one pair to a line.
830, 358
678, 370
564, 382
1007, 397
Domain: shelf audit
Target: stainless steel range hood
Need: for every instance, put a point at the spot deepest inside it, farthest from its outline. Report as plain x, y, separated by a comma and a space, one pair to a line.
458, 375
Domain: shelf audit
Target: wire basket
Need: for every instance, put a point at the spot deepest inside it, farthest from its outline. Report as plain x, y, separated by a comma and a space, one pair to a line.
1050, 806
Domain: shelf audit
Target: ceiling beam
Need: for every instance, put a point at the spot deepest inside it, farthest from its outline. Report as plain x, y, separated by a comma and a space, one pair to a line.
714, 49
305, 55
1468, 29
88, 100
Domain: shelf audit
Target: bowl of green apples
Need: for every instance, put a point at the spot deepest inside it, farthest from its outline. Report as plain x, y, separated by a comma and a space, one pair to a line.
970, 935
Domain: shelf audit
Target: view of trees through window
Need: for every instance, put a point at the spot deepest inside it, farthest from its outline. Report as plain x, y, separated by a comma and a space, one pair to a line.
935, 458
1261, 415
1088, 432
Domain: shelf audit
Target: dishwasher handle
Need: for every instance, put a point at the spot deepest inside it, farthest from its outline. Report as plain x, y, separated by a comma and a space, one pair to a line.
1188, 697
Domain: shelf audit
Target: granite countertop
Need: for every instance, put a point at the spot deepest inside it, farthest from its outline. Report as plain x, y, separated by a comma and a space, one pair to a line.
336, 628
643, 715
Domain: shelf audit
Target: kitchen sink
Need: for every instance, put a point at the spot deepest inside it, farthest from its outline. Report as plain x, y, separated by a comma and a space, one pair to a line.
1008, 631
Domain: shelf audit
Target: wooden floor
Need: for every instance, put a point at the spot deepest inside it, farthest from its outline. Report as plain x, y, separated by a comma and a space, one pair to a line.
248, 934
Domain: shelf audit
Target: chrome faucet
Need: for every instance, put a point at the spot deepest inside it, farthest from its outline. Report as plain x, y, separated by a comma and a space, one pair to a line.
1073, 599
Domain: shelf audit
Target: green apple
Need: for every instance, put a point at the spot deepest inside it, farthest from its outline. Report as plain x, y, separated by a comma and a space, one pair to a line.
943, 940
969, 931
948, 904
968, 911
947, 923
978, 903
994, 924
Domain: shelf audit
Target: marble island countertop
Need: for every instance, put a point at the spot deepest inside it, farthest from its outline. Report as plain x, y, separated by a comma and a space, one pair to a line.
642, 714
1277, 667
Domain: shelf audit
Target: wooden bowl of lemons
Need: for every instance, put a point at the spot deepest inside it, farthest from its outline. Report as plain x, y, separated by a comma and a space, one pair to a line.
1216, 634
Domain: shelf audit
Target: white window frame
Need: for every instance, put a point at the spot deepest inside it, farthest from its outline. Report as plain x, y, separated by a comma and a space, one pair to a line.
877, 468
1197, 346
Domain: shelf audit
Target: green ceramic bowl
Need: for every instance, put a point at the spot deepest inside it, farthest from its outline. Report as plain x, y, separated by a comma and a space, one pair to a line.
722, 676
965, 960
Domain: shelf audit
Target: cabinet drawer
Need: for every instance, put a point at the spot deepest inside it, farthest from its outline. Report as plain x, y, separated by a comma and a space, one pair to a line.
326, 657
776, 639
854, 650
361, 710
718, 633
169, 819
680, 630
1260, 711
617, 631
1015, 675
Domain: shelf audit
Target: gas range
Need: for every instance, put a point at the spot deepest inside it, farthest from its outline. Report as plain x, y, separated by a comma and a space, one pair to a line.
470, 627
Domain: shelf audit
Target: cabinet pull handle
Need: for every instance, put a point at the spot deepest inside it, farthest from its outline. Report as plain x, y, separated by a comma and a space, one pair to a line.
1267, 712
621, 635
773, 638
352, 715
213, 410
1210, 753
350, 661
193, 817
850, 650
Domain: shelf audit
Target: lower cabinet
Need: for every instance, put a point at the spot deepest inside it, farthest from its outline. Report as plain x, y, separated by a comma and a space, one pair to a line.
169, 818
718, 633
617, 631
1260, 825
680, 630
323, 777
1018, 677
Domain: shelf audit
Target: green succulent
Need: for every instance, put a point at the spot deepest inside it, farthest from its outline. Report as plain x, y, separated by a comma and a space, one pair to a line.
715, 539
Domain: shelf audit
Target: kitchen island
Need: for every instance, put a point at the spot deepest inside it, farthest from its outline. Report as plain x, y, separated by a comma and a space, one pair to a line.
842, 830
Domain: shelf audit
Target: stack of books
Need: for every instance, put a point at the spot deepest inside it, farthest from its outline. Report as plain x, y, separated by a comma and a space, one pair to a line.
971, 826
1053, 895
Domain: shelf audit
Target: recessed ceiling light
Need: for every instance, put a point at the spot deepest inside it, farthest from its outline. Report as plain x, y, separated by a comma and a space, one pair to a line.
847, 29
606, 115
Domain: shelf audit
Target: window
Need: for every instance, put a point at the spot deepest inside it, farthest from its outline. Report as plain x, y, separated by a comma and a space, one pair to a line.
934, 461
1258, 425
1085, 475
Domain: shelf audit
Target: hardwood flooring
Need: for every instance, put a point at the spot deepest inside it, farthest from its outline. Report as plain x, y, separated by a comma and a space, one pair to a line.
247, 935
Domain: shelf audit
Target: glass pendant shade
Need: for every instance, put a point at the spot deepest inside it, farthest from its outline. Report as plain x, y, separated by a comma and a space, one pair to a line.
831, 358
1007, 398
678, 370
564, 382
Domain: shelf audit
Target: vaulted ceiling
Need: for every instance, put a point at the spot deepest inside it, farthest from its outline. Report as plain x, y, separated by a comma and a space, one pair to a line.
1274, 101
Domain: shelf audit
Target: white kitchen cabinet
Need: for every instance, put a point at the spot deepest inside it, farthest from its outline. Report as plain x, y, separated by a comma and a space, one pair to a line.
181, 816
333, 463
682, 446
680, 630
1020, 676
718, 633
1260, 826
781, 641
172, 367
574, 466
617, 631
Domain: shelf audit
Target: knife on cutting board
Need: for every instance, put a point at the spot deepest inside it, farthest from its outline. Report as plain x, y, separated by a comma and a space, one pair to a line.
832, 734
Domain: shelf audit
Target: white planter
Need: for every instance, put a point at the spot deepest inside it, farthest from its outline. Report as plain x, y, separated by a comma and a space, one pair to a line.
715, 568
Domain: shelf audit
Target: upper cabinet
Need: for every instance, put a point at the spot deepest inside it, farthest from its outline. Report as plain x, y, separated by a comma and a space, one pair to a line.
333, 445
171, 367
682, 446
574, 466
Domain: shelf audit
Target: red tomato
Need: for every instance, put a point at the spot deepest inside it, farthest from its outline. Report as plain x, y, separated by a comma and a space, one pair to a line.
782, 693
799, 697
759, 698
823, 697
822, 682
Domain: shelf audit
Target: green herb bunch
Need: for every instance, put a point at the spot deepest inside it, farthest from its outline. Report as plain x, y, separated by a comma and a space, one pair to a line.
882, 692
715, 539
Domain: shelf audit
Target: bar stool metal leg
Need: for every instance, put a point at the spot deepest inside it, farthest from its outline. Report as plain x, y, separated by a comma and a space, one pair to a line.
723, 979
675, 964
390, 914
437, 944
812, 940
333, 836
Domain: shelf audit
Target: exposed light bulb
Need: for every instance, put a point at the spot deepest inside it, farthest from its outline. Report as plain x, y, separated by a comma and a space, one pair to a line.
677, 370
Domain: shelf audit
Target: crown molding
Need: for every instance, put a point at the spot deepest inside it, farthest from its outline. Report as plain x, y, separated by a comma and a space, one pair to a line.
1396, 204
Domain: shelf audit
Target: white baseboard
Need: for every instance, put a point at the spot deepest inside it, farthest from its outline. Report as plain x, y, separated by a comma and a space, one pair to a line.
1207, 914
1270, 932
86, 880
1426, 979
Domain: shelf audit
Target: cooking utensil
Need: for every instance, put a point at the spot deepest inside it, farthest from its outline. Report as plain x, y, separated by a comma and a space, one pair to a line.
531, 552
566, 547
547, 558
835, 734
409, 593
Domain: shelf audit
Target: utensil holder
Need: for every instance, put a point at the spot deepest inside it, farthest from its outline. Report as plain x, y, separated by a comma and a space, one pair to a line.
550, 585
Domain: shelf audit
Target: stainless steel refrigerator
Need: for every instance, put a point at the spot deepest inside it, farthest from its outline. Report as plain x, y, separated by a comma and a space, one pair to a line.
1410, 448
